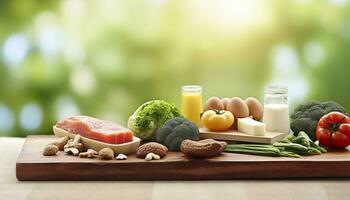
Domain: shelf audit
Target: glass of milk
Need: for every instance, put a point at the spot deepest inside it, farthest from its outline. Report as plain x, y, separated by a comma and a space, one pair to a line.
276, 109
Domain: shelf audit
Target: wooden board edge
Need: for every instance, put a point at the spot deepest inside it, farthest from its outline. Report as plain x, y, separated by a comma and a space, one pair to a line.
189, 171
19, 172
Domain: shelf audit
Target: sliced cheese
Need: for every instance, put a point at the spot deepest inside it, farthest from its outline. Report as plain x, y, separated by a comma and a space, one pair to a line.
249, 126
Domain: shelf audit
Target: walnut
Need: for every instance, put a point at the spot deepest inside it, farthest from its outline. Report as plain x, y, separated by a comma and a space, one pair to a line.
106, 154
152, 147
202, 149
50, 150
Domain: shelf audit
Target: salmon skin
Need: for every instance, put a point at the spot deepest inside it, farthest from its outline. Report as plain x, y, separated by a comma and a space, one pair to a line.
96, 129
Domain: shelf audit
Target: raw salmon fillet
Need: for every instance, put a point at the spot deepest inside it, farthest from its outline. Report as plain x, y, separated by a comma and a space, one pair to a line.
101, 130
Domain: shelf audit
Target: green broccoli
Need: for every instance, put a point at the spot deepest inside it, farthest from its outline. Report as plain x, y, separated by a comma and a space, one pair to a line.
307, 115
174, 131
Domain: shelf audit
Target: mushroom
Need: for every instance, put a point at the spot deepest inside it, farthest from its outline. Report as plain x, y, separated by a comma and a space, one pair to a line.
202, 149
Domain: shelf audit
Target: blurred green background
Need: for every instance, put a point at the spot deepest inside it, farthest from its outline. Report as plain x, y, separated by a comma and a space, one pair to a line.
106, 57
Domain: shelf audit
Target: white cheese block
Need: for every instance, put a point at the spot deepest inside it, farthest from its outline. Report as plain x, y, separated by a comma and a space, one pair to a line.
249, 126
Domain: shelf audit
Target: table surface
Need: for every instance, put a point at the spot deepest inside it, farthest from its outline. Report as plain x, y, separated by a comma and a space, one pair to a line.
236, 189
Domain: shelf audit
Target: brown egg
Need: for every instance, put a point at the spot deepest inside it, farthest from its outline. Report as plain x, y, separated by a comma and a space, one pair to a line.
255, 108
225, 102
238, 108
213, 103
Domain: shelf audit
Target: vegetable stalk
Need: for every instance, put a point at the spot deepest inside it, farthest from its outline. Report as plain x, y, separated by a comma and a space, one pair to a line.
290, 146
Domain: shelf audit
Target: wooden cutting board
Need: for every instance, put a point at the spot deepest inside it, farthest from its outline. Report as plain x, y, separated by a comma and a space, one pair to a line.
32, 166
234, 135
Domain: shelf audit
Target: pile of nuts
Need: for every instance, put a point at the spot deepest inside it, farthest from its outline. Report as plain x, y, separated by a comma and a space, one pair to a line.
76, 148
150, 151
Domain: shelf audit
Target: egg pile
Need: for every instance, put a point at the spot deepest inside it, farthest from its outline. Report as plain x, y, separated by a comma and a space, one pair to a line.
250, 107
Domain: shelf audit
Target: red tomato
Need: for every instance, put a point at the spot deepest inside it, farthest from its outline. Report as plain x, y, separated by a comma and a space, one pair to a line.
333, 130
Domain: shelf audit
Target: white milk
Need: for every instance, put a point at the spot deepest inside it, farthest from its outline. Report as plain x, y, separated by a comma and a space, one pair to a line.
276, 117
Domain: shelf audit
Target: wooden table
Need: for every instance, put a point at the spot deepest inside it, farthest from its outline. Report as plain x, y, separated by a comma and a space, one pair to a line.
12, 189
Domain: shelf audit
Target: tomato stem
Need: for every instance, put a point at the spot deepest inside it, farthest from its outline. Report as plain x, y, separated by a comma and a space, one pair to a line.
218, 112
334, 126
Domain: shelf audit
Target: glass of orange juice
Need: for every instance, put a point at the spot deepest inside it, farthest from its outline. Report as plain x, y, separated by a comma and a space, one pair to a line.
191, 103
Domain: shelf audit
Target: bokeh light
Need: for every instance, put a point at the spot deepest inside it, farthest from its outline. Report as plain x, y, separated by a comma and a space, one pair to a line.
314, 53
6, 119
65, 107
31, 117
15, 49
83, 81
49, 36
106, 57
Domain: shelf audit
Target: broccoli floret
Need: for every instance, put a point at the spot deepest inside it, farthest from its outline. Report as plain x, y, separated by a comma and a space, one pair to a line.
174, 131
302, 107
306, 116
331, 106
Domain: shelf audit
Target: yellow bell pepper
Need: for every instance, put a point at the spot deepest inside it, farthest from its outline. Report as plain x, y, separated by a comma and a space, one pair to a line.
217, 120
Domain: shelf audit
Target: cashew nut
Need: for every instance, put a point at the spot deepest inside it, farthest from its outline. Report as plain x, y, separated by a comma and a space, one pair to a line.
121, 157
152, 156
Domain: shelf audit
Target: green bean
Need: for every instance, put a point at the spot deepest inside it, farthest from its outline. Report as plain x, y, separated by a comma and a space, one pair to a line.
281, 148
288, 138
314, 151
302, 140
291, 146
285, 148
252, 145
310, 151
303, 134
289, 154
254, 152
323, 150
276, 150
311, 143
